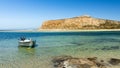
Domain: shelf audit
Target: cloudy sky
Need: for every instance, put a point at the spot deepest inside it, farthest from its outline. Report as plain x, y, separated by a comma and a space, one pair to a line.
20, 14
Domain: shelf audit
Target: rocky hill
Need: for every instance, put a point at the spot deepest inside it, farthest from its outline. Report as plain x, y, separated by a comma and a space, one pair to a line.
82, 22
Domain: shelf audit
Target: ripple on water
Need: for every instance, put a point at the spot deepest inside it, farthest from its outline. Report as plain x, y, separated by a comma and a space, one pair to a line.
87, 44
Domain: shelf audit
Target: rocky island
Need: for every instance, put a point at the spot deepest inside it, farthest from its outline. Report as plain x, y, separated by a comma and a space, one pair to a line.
85, 22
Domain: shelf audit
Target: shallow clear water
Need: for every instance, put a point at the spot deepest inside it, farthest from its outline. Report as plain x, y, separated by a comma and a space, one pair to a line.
103, 45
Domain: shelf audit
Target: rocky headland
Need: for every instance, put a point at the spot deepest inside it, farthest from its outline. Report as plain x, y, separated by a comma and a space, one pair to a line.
80, 23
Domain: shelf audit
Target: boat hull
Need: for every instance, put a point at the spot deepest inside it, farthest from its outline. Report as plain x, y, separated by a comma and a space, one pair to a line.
27, 44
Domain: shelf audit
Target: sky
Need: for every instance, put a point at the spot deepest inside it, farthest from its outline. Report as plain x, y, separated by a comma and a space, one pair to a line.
30, 14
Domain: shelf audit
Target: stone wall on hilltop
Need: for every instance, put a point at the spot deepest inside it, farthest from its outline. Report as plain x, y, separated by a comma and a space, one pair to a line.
82, 22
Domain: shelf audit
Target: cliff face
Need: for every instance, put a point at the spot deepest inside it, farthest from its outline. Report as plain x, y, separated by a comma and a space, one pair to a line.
82, 22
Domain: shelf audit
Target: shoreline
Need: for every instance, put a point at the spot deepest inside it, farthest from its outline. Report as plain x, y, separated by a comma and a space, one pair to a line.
82, 30
61, 30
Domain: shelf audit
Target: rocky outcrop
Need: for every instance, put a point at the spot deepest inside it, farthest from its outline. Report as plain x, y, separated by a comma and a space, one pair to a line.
94, 62
82, 22
114, 61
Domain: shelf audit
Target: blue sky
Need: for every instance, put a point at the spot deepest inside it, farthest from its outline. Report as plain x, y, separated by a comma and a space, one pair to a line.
19, 14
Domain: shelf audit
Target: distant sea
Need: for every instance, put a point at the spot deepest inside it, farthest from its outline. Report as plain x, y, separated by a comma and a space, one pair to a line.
103, 44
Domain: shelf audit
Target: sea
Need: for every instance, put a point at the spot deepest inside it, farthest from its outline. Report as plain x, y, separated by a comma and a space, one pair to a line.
101, 44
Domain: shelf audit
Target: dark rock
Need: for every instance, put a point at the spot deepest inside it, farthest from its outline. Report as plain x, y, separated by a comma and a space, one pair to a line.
110, 48
114, 61
114, 47
92, 59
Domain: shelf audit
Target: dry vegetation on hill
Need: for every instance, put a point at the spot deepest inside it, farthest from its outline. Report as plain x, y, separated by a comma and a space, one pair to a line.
82, 22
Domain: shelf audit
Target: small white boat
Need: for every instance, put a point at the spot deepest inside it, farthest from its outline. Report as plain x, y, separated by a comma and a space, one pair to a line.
26, 42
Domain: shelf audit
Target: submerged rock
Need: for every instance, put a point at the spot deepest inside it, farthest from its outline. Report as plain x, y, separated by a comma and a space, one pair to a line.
58, 61
110, 48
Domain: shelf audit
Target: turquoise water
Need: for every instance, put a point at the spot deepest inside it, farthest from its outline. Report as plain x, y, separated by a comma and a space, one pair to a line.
50, 44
